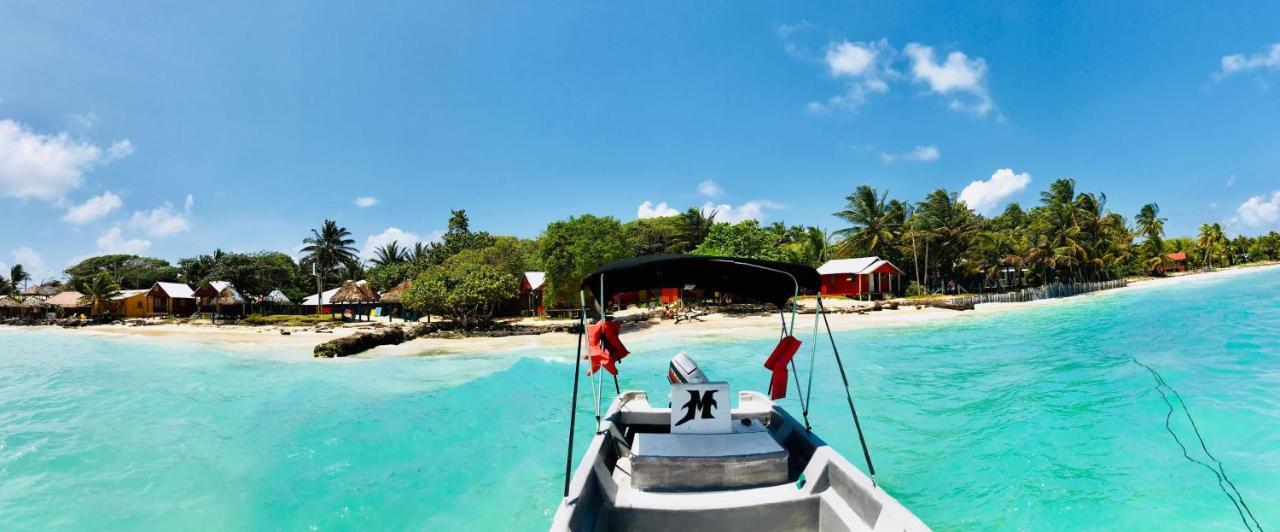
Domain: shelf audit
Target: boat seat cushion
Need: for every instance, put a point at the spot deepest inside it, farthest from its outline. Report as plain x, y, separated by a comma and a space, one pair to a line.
747, 457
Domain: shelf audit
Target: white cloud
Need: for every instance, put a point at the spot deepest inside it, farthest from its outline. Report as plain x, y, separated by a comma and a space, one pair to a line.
30, 261
1231, 181
83, 121
984, 196
960, 77
164, 220
1260, 212
112, 242
917, 154
649, 210
35, 165
1268, 58
189, 202
406, 239
709, 189
92, 209
366, 201
751, 210
862, 66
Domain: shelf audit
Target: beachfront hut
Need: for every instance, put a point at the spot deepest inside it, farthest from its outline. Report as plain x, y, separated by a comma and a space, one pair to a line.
39, 290
274, 302
130, 304
207, 292
9, 306
863, 277
68, 303
393, 301
173, 299
357, 294
322, 300
34, 307
531, 291
231, 299
1174, 262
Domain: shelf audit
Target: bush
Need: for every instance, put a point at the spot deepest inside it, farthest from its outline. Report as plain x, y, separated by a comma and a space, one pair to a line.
290, 320
916, 290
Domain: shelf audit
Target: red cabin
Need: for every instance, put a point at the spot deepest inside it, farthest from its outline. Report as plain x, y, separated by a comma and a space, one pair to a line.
863, 277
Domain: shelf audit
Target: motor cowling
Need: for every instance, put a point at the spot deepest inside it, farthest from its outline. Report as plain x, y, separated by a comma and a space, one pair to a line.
683, 370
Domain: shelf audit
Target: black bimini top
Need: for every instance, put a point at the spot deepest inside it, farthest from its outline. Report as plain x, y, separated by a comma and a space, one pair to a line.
762, 280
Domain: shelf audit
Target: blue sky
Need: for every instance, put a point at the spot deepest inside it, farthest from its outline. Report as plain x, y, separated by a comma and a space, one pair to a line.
172, 128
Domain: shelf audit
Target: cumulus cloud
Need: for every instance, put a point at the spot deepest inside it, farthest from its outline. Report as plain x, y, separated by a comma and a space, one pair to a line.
751, 210
92, 209
961, 78
917, 154
404, 238
709, 189
1267, 59
985, 196
366, 201
1260, 212
113, 241
164, 220
649, 210
45, 167
863, 67
30, 261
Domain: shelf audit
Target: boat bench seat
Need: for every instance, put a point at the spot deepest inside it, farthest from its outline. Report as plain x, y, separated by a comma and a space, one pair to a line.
747, 457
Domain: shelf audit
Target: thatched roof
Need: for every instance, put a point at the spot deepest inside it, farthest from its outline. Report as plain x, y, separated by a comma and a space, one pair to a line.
229, 296
352, 292
395, 294
277, 297
33, 302
9, 302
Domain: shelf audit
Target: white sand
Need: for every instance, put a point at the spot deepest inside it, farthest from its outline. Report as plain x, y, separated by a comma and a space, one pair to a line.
714, 327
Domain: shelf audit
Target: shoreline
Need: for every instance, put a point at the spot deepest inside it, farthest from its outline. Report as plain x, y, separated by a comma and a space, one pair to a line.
714, 327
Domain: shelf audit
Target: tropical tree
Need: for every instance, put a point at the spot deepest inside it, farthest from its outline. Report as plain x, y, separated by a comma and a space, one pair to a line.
465, 288
98, 291
327, 249
694, 226
390, 253
571, 249
18, 275
744, 239
871, 224
1151, 225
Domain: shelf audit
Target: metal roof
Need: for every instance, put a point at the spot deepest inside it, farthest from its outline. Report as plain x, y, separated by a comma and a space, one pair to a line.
858, 266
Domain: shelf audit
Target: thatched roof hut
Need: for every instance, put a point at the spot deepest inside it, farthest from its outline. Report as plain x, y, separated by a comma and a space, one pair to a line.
396, 293
9, 302
33, 302
354, 293
68, 299
276, 297
228, 297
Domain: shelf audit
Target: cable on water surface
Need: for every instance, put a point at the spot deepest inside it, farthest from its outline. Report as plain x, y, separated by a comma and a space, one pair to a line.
1237, 499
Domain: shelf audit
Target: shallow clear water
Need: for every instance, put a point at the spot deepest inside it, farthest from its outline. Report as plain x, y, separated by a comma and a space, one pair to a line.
1011, 421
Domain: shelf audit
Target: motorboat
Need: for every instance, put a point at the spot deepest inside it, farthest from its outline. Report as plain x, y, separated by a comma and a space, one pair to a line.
693, 460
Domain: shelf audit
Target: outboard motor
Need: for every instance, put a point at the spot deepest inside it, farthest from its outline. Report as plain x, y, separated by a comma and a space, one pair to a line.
683, 370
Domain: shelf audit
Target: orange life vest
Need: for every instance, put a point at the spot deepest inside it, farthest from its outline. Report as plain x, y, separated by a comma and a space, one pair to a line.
604, 347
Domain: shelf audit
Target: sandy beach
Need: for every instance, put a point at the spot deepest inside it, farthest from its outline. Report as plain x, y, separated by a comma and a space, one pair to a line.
711, 328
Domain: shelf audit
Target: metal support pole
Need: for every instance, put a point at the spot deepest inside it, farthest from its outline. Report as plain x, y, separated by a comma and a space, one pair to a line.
866, 454
573, 409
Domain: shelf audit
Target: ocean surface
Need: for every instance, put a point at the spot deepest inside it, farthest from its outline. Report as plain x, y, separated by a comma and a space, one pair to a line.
1032, 419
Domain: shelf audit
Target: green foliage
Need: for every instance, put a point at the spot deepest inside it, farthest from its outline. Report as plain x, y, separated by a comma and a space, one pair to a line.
390, 253
129, 271
330, 250
286, 320
459, 236
18, 276
98, 291
744, 239
252, 274
571, 249
916, 290
465, 288
383, 277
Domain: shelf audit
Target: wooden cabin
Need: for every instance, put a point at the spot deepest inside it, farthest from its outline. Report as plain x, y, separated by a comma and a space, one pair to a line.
863, 277
130, 304
531, 292
173, 299
1174, 262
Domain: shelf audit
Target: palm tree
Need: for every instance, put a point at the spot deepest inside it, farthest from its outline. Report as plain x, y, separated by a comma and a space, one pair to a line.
1151, 225
419, 253
98, 291
871, 229
18, 275
390, 253
326, 249
5, 287
695, 225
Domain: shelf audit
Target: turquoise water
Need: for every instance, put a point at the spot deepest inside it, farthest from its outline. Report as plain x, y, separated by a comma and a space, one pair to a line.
1019, 420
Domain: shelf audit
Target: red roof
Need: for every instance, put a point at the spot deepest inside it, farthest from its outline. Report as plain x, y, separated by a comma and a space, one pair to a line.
1181, 255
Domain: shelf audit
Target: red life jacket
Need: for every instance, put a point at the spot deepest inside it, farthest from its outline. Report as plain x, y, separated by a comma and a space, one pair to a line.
604, 349
777, 362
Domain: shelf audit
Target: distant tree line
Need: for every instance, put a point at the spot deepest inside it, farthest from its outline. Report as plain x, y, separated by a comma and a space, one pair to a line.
939, 242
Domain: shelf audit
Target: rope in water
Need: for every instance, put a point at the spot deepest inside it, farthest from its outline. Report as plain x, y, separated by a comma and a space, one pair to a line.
1223, 480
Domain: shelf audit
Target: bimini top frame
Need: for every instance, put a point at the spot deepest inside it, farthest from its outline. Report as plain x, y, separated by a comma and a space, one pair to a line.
761, 280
